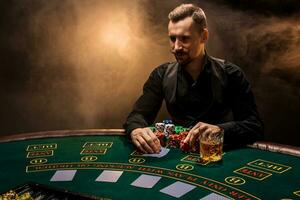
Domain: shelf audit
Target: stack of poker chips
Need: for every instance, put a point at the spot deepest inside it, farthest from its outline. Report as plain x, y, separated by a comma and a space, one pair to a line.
170, 135
160, 127
176, 140
169, 129
173, 136
164, 130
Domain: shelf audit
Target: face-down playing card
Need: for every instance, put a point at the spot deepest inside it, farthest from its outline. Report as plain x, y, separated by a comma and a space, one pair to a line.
162, 153
146, 181
214, 196
109, 176
63, 175
177, 189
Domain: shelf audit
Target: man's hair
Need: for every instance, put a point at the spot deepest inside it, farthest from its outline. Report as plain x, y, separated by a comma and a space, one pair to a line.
189, 10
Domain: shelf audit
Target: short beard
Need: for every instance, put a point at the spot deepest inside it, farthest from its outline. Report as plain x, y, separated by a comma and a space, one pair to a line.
185, 61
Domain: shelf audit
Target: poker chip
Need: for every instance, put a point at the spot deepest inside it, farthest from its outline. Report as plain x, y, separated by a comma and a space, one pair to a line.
160, 127
161, 137
169, 129
167, 121
185, 146
173, 136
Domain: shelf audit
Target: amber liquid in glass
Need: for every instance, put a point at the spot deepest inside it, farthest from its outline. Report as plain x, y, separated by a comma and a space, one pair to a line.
211, 151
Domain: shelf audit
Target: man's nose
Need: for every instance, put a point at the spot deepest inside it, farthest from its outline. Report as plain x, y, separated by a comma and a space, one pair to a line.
177, 45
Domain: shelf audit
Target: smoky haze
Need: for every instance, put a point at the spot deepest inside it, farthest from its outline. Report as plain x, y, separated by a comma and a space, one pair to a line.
77, 64
82, 63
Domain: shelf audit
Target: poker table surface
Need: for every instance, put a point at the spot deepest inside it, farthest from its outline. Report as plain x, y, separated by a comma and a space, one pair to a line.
259, 171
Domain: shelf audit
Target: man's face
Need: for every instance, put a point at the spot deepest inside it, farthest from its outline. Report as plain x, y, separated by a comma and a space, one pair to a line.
186, 41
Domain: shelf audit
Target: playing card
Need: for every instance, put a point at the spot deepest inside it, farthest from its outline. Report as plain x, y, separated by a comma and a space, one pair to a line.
214, 196
109, 176
146, 181
163, 152
177, 189
63, 175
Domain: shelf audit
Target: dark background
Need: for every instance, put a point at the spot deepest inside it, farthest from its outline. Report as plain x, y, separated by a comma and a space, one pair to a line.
77, 64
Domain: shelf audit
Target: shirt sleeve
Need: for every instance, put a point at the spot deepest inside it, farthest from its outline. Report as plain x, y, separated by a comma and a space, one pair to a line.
247, 126
148, 104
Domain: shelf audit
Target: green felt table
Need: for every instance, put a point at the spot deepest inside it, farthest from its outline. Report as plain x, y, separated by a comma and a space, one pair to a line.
245, 173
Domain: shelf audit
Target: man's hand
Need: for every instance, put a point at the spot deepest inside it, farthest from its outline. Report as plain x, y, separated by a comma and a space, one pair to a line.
145, 140
200, 129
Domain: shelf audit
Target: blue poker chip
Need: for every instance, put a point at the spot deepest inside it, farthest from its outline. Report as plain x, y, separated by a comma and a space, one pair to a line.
167, 121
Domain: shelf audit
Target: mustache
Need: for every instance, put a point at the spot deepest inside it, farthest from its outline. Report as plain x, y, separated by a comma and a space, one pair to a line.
178, 52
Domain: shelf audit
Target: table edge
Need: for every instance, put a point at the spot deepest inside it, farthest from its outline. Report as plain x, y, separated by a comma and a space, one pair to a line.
60, 133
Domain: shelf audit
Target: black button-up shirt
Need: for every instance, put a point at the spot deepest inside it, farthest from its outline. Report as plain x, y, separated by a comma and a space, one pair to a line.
221, 95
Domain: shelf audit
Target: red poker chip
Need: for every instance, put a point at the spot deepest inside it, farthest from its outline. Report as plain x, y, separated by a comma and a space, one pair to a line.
185, 146
176, 141
161, 137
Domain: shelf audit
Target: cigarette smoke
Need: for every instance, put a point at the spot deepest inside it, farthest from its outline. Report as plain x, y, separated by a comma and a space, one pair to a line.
266, 46
86, 62
81, 64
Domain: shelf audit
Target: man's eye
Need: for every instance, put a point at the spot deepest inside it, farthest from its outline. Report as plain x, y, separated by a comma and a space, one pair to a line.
172, 38
185, 38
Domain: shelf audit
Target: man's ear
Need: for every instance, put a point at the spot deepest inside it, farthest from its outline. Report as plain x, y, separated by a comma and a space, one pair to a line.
205, 35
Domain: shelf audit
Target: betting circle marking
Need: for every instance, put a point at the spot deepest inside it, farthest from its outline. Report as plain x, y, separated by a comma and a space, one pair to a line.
184, 167
137, 160
234, 180
38, 161
89, 158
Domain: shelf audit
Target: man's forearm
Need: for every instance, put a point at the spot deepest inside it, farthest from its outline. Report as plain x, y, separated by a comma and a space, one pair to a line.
134, 121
